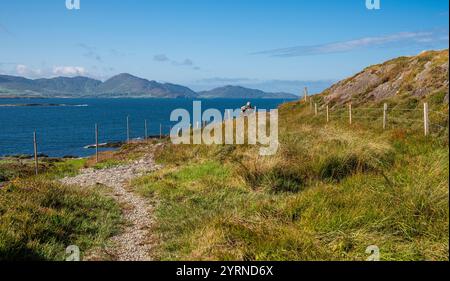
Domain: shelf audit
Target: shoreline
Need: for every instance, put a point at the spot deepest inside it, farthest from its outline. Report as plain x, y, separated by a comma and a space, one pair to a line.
109, 146
42, 105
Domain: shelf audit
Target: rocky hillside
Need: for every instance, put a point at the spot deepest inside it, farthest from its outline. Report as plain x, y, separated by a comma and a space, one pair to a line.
418, 76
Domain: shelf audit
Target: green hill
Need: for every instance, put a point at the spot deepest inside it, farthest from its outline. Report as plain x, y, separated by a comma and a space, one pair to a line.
126, 85
123, 85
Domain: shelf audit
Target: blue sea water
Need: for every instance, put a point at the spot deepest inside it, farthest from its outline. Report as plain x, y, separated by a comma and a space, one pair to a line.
66, 130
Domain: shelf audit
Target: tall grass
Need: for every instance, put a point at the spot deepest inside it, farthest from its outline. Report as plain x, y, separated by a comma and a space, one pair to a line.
39, 219
331, 191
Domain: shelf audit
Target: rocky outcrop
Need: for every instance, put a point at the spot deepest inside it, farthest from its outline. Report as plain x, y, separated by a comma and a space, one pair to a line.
418, 76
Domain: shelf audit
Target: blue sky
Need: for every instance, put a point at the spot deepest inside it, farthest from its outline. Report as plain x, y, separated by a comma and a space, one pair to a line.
277, 45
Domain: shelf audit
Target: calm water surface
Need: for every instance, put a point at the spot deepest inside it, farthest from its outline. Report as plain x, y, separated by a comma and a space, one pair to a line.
65, 130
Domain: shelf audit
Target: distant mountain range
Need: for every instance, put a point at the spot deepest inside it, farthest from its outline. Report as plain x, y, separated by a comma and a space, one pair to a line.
120, 86
240, 92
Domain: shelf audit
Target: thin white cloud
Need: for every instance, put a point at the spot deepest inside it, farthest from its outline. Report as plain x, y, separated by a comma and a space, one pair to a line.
69, 70
25, 70
426, 39
160, 58
185, 62
47, 72
91, 52
269, 85
225, 80
117, 53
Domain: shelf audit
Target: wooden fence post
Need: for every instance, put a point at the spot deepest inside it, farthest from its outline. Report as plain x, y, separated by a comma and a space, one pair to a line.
35, 153
96, 143
305, 92
145, 129
310, 104
385, 108
128, 128
350, 113
426, 124
315, 108
328, 113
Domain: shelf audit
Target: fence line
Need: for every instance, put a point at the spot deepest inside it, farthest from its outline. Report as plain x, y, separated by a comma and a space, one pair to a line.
386, 116
118, 132
439, 113
405, 109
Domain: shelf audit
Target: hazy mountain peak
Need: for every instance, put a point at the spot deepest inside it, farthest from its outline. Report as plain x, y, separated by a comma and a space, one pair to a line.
231, 91
121, 85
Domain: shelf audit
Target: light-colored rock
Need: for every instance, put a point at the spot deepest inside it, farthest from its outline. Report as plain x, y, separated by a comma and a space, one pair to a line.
417, 76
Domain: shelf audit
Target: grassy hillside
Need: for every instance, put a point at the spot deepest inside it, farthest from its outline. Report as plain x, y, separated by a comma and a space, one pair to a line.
330, 192
332, 189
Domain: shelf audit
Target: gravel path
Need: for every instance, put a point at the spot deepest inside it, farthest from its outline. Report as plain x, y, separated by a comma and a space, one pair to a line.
134, 243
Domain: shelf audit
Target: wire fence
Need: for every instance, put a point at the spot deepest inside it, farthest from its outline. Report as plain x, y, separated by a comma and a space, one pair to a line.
74, 139
79, 139
430, 121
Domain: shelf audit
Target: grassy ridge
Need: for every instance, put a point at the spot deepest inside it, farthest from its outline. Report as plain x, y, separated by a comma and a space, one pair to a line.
331, 191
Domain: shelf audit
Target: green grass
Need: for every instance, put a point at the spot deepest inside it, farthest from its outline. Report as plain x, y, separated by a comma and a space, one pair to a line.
39, 219
109, 163
331, 191
14, 168
66, 168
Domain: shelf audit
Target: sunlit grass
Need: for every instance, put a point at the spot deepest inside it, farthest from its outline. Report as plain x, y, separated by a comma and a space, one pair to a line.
331, 191
39, 219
